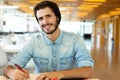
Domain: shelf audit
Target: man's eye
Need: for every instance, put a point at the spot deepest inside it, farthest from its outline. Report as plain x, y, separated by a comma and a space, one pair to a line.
40, 19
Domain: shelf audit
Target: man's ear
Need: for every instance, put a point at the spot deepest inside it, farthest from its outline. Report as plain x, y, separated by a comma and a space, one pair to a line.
57, 19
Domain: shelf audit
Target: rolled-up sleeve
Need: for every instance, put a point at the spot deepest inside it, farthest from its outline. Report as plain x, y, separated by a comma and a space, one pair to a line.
83, 57
22, 57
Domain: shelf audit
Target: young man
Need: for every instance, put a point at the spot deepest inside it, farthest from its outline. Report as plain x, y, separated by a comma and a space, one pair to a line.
56, 53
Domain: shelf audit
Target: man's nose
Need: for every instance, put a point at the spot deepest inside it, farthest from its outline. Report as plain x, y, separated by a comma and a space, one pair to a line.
45, 20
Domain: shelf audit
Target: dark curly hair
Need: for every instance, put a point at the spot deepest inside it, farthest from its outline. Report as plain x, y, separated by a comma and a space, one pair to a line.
53, 6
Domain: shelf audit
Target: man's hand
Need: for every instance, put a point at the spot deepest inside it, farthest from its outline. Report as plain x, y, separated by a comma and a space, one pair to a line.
16, 74
3, 78
48, 76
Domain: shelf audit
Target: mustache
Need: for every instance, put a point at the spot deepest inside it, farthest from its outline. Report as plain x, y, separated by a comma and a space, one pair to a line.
47, 24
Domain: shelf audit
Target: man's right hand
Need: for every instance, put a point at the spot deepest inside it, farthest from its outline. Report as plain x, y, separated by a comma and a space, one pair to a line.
16, 74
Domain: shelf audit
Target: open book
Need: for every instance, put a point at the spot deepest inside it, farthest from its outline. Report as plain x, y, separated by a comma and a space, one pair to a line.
33, 76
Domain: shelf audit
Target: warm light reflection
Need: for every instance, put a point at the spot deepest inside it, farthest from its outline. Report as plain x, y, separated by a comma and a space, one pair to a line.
64, 8
64, 0
96, 0
81, 14
65, 12
89, 6
84, 8
92, 3
114, 12
104, 16
27, 10
34, 2
21, 4
118, 9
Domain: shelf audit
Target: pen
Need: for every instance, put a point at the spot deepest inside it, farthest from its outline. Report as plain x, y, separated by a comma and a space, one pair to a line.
20, 68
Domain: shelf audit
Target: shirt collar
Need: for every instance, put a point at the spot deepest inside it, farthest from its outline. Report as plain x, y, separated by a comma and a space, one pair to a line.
57, 41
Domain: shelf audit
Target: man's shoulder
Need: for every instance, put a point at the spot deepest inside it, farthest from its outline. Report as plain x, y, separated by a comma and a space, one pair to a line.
70, 34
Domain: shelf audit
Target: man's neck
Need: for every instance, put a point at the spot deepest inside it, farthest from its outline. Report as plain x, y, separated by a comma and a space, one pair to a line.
54, 35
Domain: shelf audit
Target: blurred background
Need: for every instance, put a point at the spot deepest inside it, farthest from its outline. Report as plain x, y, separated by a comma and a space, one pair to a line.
97, 21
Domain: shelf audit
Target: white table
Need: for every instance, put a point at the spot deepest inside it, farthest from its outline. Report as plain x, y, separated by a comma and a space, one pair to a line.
11, 50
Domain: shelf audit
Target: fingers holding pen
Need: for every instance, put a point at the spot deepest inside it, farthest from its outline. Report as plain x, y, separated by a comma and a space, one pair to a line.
24, 74
19, 75
14, 74
27, 73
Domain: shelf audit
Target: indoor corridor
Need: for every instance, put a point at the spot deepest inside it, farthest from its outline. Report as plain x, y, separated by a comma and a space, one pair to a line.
107, 65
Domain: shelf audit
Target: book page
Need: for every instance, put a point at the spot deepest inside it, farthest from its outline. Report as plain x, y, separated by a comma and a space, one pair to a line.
3, 78
33, 76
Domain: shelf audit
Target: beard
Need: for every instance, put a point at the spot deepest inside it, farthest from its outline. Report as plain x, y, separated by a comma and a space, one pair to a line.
52, 31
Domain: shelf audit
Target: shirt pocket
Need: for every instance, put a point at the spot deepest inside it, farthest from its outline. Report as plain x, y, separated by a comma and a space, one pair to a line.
42, 64
66, 63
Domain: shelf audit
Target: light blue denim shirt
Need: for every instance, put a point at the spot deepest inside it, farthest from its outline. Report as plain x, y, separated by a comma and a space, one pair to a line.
67, 52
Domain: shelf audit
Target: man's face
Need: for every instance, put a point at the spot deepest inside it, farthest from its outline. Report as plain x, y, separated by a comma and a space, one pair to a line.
47, 20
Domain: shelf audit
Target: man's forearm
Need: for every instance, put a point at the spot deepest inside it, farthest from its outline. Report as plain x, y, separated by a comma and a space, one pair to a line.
83, 72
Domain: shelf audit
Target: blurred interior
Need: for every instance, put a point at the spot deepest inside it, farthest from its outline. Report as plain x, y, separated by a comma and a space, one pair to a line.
97, 21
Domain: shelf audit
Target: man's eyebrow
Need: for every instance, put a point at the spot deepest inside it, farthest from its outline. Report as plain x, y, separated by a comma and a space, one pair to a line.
47, 14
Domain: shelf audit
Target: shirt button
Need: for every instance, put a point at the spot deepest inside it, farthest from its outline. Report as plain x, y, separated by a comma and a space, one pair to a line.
40, 62
53, 44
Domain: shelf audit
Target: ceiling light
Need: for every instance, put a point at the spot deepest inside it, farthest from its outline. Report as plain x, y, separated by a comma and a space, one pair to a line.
104, 16
91, 3
118, 9
84, 8
114, 12
66, 0
96, 0
88, 5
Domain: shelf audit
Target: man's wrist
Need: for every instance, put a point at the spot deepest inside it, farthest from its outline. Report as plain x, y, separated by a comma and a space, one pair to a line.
6, 70
60, 74
5, 73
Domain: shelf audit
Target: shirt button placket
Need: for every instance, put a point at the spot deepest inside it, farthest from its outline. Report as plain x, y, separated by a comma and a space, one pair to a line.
54, 57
